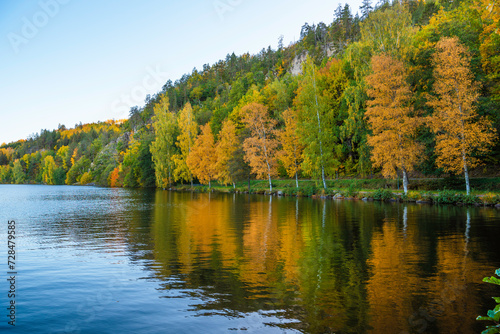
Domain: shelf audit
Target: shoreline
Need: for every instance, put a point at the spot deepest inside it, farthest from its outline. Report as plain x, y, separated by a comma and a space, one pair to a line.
432, 197
444, 197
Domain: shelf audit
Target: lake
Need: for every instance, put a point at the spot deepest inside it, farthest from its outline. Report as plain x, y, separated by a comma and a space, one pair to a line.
97, 260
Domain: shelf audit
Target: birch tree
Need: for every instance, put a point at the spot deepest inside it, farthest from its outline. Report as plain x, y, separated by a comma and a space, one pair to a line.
291, 152
390, 118
202, 158
461, 135
163, 146
316, 129
188, 130
226, 146
260, 148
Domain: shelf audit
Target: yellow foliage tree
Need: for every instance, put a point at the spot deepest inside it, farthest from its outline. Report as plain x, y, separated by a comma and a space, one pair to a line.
260, 148
86, 178
162, 148
389, 116
49, 165
185, 141
460, 134
73, 157
226, 146
62, 154
202, 158
291, 153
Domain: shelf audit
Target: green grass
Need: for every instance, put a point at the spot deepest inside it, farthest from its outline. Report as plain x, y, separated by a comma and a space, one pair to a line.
487, 193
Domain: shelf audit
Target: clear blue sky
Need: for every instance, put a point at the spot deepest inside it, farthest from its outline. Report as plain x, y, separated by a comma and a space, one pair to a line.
71, 61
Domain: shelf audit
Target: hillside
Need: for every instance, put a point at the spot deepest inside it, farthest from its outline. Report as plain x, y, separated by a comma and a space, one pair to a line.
319, 121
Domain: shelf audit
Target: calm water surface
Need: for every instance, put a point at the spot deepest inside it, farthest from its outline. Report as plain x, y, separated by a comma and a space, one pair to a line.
92, 260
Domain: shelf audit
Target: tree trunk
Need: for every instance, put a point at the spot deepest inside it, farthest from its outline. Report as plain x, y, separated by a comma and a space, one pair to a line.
270, 184
323, 176
234, 185
466, 173
319, 132
297, 179
249, 184
405, 181
209, 184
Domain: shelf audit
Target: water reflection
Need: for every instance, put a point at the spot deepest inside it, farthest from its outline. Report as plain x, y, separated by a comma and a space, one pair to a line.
212, 263
325, 266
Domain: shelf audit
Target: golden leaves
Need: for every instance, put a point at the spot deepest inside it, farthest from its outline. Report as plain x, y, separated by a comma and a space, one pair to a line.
390, 117
291, 153
227, 145
460, 133
260, 148
202, 158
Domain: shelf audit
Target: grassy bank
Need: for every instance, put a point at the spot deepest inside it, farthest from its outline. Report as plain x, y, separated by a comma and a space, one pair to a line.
486, 191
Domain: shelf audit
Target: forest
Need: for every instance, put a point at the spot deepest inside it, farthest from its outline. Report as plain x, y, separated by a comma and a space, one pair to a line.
405, 89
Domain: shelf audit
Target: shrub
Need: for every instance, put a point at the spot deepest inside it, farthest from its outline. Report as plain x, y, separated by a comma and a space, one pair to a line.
494, 314
383, 195
450, 197
352, 191
445, 197
86, 178
490, 198
309, 190
411, 196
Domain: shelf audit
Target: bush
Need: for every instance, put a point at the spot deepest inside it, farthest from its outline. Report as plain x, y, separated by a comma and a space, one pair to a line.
383, 195
309, 190
411, 196
450, 197
490, 198
86, 178
445, 197
494, 314
352, 191
468, 199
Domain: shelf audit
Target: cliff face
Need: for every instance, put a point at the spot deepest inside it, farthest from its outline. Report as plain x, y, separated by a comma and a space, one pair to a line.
296, 66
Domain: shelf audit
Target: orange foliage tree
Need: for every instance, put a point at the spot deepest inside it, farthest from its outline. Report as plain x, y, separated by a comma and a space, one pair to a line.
202, 159
291, 153
460, 134
260, 148
226, 146
390, 118
114, 178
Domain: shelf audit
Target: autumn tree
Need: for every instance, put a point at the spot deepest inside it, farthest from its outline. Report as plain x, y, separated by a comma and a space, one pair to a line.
185, 141
163, 146
260, 148
202, 159
113, 178
316, 128
490, 46
49, 166
18, 174
390, 118
63, 155
461, 135
291, 152
226, 146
